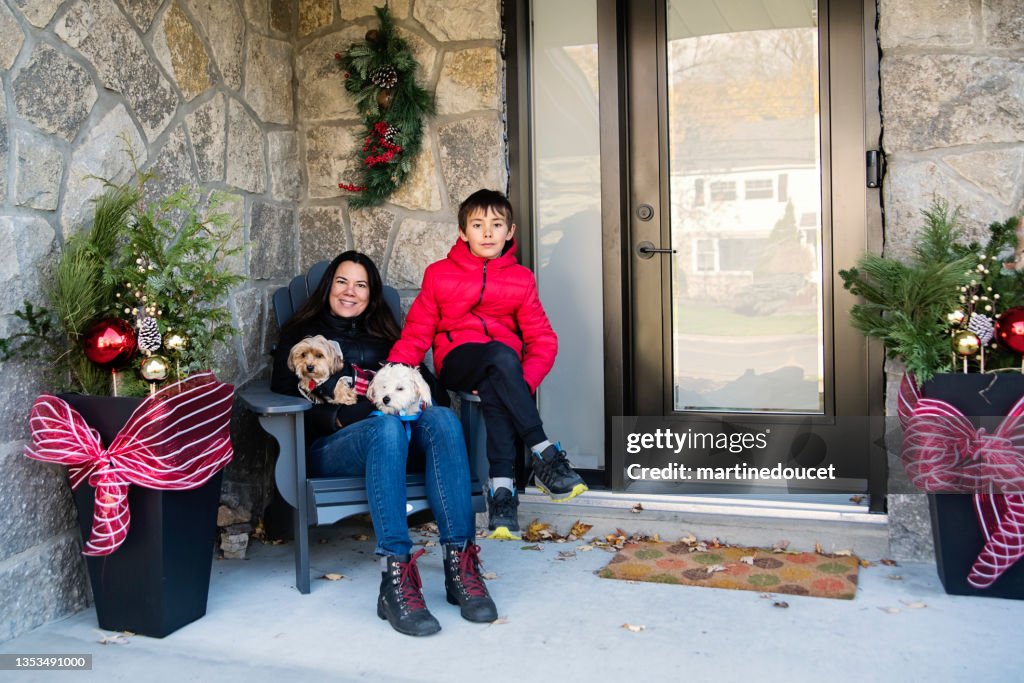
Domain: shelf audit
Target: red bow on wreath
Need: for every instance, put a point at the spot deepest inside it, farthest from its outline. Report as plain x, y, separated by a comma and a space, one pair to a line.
942, 452
176, 439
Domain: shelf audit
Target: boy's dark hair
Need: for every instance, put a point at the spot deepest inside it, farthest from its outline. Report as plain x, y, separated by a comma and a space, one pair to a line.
482, 200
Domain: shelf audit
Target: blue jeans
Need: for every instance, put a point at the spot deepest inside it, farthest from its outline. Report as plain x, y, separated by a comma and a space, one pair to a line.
377, 448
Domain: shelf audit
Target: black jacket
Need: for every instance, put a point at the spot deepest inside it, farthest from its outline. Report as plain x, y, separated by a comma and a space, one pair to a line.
359, 348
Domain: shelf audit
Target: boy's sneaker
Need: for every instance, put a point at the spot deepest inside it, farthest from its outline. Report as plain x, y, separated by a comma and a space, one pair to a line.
503, 514
555, 476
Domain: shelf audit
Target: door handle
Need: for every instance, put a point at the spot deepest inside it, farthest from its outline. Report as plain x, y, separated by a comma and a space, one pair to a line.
647, 250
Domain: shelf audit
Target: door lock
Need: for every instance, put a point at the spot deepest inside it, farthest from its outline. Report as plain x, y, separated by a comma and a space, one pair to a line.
645, 212
646, 250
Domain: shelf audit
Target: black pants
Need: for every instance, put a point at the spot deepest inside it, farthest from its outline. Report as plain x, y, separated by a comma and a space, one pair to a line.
494, 371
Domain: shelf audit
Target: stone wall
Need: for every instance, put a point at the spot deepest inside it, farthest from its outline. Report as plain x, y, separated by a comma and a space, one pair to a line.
237, 95
952, 75
456, 44
184, 83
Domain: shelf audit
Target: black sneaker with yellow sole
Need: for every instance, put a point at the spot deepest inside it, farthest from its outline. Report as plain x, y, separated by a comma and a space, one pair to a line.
503, 514
553, 474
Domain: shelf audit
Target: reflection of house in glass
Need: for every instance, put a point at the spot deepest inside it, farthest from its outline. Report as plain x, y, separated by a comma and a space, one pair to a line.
745, 207
744, 176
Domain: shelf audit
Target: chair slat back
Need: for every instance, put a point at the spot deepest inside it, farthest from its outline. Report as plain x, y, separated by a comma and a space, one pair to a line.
288, 299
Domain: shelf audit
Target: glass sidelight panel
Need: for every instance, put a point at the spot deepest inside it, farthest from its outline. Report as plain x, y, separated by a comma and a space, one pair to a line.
567, 220
744, 159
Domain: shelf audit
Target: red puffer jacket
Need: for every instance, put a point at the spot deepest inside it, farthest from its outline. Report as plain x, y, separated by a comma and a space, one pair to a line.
467, 299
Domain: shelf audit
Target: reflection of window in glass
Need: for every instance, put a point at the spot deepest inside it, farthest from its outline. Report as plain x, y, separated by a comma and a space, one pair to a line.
698, 192
706, 256
723, 190
758, 189
740, 254
783, 187
809, 219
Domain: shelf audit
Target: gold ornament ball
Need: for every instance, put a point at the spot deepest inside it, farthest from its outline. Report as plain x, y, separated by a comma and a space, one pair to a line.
956, 317
966, 343
155, 369
175, 342
384, 98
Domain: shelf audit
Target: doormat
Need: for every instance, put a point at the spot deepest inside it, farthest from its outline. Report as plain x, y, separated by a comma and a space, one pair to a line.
751, 569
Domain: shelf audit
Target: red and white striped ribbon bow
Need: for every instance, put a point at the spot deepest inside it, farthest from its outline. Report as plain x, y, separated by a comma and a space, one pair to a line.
176, 439
942, 452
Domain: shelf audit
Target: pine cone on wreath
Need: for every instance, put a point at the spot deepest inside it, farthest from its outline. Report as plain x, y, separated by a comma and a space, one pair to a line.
384, 77
982, 326
149, 335
389, 134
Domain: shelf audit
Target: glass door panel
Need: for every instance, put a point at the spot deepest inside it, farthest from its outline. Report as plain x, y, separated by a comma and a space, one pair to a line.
744, 164
567, 220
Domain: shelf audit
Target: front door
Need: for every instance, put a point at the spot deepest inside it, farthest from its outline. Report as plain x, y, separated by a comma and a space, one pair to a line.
699, 170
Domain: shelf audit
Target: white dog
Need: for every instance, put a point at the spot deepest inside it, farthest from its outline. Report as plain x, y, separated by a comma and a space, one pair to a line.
314, 360
399, 390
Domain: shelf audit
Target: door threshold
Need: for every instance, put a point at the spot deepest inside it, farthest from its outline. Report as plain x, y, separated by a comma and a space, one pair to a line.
736, 519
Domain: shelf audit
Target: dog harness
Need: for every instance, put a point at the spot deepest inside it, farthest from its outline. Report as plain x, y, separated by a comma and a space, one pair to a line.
406, 419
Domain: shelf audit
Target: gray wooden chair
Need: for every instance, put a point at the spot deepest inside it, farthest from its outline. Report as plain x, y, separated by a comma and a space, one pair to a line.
325, 500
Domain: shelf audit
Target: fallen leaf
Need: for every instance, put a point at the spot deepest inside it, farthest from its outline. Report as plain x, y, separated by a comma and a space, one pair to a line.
579, 529
780, 546
894, 577
817, 548
114, 638
715, 568
842, 553
864, 563
323, 541
857, 499
531, 547
747, 559
584, 548
490, 576
914, 605
780, 603
332, 577
566, 555
633, 628
714, 543
888, 563
499, 621
537, 531
638, 508
688, 540
890, 610
360, 537
765, 595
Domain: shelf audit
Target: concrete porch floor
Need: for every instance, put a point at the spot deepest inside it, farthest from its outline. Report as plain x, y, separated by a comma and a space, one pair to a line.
561, 622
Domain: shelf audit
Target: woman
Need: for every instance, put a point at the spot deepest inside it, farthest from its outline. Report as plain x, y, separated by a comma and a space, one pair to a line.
348, 306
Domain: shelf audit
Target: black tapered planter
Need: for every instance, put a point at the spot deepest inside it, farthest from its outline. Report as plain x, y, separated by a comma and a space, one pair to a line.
158, 580
957, 535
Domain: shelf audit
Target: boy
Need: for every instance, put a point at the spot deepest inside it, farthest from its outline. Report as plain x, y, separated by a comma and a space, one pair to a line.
480, 311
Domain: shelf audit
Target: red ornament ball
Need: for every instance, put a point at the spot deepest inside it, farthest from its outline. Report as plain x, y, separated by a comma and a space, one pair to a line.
109, 342
1010, 329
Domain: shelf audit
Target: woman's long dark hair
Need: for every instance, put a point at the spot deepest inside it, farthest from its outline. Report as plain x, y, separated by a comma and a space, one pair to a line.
379, 320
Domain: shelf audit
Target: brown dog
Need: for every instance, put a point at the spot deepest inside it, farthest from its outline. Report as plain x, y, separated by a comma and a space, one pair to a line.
313, 360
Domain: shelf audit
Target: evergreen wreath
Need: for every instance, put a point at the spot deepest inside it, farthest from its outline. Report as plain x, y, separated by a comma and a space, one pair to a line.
380, 74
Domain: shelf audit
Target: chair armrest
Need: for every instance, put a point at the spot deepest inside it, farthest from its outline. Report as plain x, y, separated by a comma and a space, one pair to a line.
258, 398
